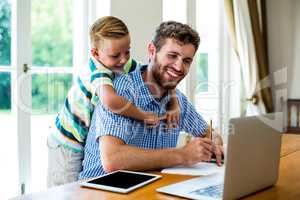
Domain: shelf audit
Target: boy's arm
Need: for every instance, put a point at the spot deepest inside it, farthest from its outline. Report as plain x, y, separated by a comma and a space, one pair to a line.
120, 105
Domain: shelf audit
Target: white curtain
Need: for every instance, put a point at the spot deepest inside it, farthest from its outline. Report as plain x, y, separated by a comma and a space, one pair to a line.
245, 46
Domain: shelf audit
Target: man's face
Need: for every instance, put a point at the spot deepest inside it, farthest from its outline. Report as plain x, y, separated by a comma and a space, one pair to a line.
172, 63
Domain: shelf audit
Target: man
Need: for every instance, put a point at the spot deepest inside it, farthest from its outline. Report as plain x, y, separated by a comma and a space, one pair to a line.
115, 142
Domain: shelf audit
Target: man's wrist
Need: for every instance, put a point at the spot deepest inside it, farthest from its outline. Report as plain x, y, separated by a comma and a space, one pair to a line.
179, 156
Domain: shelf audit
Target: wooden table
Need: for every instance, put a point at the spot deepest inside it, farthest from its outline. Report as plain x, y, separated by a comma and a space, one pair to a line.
290, 144
287, 187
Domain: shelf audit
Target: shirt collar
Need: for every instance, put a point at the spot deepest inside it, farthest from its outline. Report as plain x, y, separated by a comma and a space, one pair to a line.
144, 90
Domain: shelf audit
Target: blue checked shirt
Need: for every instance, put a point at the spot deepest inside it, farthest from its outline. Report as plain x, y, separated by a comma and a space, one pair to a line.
134, 132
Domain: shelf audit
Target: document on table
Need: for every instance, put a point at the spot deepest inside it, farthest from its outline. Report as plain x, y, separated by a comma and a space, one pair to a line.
201, 168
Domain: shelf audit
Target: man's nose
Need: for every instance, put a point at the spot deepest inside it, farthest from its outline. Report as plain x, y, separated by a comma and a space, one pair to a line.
178, 65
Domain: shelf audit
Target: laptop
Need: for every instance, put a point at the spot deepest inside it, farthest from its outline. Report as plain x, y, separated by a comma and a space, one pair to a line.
251, 162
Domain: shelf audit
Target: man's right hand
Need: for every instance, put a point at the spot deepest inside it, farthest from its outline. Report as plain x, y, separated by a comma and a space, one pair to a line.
198, 149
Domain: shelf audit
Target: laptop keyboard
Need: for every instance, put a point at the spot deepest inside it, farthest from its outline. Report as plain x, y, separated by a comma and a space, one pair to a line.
214, 191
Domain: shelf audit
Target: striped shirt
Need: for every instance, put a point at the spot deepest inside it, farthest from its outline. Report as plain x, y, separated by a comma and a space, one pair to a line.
134, 132
73, 121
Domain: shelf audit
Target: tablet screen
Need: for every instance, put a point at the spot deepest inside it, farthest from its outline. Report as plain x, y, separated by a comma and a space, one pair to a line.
122, 179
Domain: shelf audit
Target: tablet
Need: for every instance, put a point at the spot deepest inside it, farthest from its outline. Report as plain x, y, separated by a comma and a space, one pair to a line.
121, 181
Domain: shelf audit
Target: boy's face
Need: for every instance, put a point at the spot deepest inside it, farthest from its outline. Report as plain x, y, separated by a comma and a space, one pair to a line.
171, 63
114, 53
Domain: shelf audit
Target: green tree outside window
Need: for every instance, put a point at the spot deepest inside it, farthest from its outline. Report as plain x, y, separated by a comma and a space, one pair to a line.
202, 72
5, 32
51, 46
5, 48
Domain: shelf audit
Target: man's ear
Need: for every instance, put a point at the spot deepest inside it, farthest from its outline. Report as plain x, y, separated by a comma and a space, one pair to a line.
151, 50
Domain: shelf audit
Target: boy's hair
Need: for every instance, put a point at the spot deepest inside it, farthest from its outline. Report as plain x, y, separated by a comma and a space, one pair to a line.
182, 33
108, 27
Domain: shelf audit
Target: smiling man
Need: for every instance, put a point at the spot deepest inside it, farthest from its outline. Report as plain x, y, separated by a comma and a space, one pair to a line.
115, 142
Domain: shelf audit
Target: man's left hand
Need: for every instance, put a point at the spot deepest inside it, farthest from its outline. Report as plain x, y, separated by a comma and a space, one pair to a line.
219, 153
218, 148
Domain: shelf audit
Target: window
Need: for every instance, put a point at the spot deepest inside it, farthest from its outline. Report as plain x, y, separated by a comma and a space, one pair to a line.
206, 93
51, 48
51, 75
5, 47
52, 39
9, 166
202, 72
217, 94
203, 86
214, 76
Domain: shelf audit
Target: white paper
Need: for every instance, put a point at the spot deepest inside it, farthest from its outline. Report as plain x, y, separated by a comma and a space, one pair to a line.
201, 168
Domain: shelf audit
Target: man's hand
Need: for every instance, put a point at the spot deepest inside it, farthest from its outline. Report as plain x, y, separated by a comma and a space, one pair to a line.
219, 152
198, 149
218, 148
217, 138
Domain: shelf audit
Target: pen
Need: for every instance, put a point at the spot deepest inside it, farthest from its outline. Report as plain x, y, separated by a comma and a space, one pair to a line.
213, 160
210, 132
210, 129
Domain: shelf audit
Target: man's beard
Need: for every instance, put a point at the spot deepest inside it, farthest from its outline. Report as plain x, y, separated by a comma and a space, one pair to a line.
158, 76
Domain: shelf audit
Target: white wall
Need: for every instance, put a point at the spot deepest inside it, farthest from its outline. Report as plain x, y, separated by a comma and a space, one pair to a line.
295, 72
283, 18
141, 17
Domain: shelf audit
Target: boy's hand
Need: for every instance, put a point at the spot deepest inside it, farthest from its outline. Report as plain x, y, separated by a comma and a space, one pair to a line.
173, 112
151, 119
172, 118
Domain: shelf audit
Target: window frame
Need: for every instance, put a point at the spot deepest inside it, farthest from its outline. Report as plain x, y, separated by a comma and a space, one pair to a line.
222, 78
21, 40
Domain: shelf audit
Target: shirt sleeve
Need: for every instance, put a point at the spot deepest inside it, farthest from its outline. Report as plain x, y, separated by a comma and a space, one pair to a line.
108, 123
102, 76
191, 121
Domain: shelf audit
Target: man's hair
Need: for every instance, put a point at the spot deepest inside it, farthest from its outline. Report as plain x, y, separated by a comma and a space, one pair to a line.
182, 33
108, 27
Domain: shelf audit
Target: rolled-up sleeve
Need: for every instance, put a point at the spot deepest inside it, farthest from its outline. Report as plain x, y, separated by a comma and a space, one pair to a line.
191, 121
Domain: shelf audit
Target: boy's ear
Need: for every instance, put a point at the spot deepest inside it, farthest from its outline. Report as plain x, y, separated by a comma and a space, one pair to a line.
94, 52
151, 50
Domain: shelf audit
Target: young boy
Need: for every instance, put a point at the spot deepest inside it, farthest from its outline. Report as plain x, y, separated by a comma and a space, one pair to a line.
110, 55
